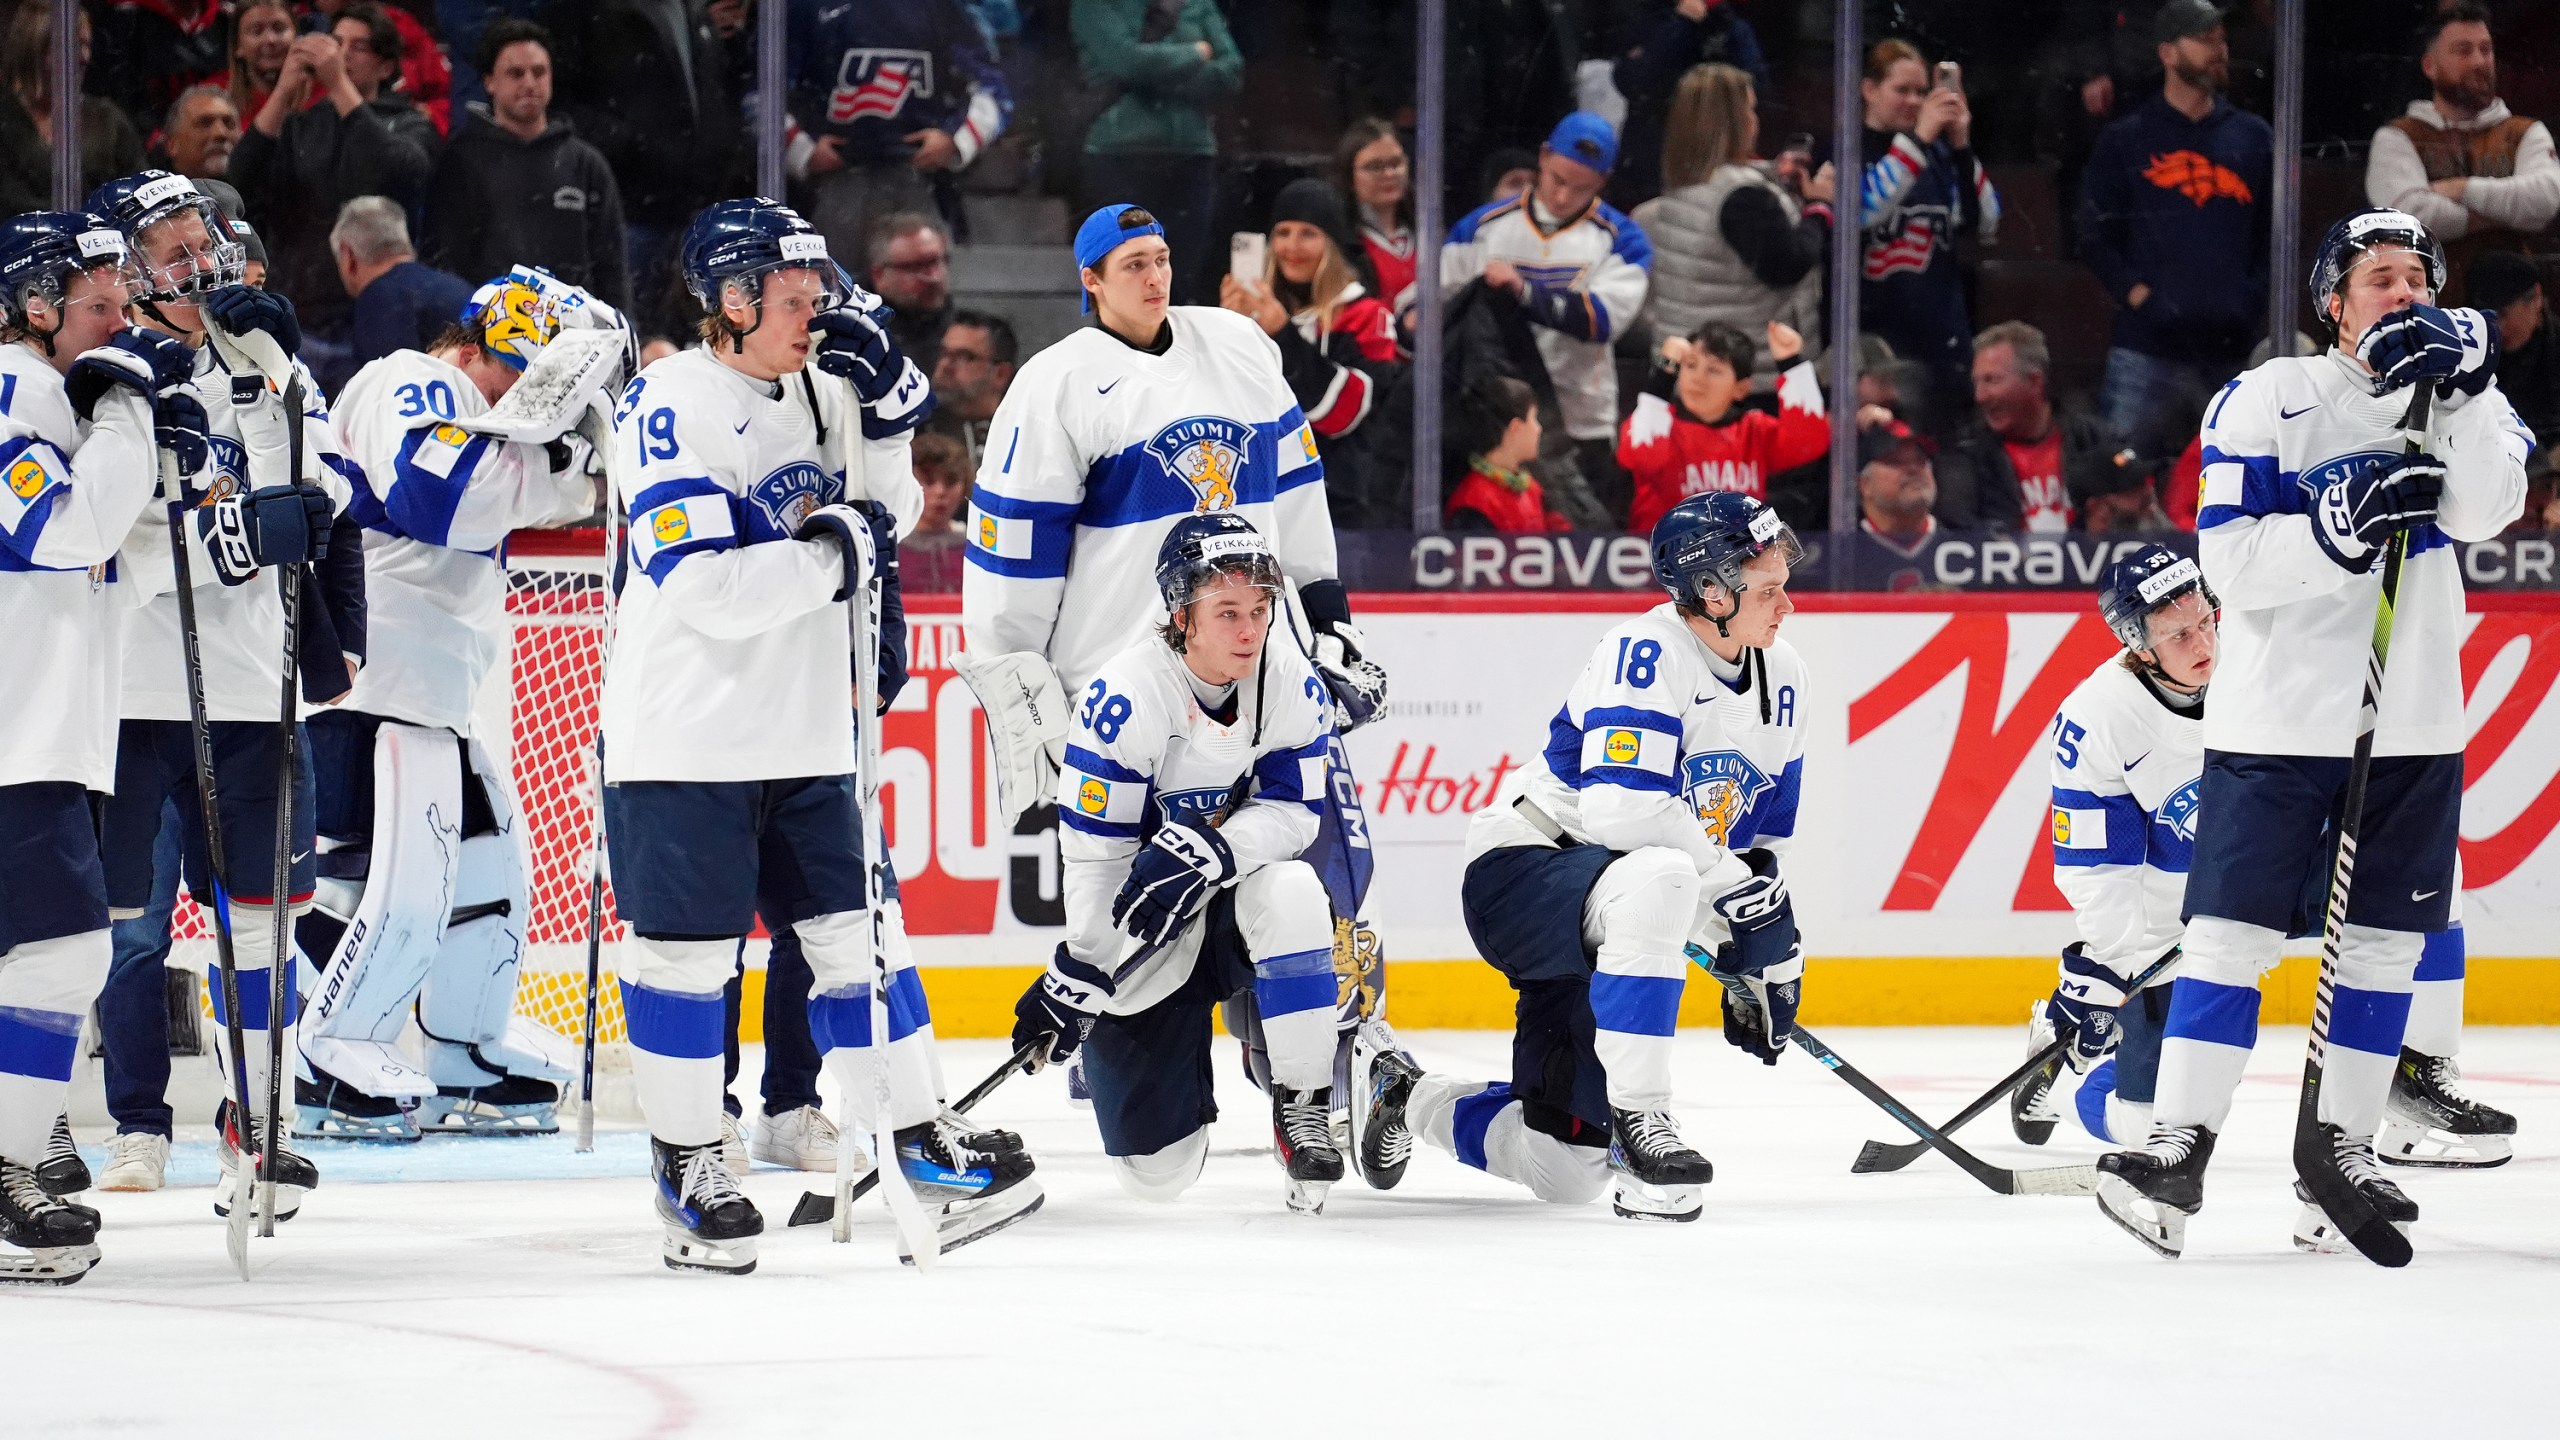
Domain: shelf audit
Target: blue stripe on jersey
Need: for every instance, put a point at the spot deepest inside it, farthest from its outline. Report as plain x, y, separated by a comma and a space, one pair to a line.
1101, 829
2169, 852
1053, 534
666, 492
2440, 957
2127, 824
2264, 489
1772, 816
30, 508
1464, 232
421, 502
1624, 717
1284, 431
1103, 767
1279, 775
1564, 748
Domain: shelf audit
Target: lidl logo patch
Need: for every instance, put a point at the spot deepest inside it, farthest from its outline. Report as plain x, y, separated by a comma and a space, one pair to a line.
1093, 797
26, 478
1621, 747
2062, 827
453, 435
670, 525
986, 532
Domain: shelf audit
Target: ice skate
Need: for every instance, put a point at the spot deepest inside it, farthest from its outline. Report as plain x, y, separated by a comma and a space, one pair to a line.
137, 1160
2032, 1110
513, 1105
1382, 1144
1302, 1130
2429, 1121
328, 1108
294, 1174
2151, 1192
801, 1139
42, 1240
2314, 1231
710, 1223
980, 1179
1657, 1175
62, 1172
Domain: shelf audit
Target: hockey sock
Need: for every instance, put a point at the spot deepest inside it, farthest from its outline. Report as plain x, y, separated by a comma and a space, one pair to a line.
675, 1059
2367, 1018
253, 949
2091, 1103
1295, 997
2203, 1049
2435, 1002
1485, 1126
1638, 915
45, 988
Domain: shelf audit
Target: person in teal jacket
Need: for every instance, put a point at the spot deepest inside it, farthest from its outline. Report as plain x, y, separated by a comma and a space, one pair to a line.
1164, 63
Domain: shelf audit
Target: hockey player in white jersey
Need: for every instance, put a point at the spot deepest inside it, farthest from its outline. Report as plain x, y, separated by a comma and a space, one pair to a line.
2430, 1120
422, 862
729, 746
85, 404
2127, 765
249, 515
2308, 475
1194, 773
1651, 823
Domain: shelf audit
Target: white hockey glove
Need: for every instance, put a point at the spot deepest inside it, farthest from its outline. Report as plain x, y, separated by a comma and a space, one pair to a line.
1170, 879
1026, 724
1358, 684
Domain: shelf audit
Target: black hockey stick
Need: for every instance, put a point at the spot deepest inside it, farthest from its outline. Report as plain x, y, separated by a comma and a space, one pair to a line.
209, 812
1880, 1156
2051, 1180
2314, 1159
280, 988
586, 1141
819, 1209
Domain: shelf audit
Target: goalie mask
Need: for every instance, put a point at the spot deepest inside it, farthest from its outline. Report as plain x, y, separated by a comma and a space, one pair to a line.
511, 321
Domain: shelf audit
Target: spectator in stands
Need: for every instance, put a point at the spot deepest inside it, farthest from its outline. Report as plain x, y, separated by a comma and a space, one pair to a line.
1690, 432
2021, 463
199, 135
943, 471
108, 145
423, 76
1735, 239
1667, 46
2480, 176
1897, 486
1337, 349
1922, 188
2508, 286
151, 52
1168, 62
2173, 218
907, 259
1578, 284
397, 303
901, 96
1499, 417
970, 376
328, 133
658, 89
1371, 167
459, 24
517, 186
262, 33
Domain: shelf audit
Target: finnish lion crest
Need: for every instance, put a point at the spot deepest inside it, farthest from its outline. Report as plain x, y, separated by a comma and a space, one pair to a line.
1208, 454
789, 496
1722, 786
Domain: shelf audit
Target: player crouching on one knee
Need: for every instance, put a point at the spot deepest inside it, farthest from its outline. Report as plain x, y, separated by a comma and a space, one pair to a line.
2309, 479
1193, 779
729, 750
1647, 830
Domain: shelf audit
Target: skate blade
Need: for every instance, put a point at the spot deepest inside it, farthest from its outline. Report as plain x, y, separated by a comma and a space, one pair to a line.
57, 1265
1306, 1197
687, 1252
465, 1118
2160, 1228
1009, 1206
2314, 1233
2056, 1180
312, 1122
1636, 1200
2426, 1148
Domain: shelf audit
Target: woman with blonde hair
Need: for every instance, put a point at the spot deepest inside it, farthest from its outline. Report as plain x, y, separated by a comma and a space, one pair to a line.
1736, 239
262, 33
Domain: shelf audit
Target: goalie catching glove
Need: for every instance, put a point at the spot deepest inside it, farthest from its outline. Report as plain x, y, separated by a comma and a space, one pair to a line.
1764, 956
1057, 1011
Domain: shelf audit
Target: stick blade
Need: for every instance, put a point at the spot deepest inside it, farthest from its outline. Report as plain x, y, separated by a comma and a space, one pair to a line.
812, 1209
1882, 1158
2055, 1180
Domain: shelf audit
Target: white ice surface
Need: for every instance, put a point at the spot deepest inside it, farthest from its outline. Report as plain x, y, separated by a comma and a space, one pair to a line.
527, 1301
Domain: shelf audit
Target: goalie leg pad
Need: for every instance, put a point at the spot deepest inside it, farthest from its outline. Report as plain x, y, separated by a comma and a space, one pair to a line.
475, 1038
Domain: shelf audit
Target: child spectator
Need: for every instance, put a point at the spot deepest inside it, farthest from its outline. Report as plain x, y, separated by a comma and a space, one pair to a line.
1689, 433
942, 470
1499, 493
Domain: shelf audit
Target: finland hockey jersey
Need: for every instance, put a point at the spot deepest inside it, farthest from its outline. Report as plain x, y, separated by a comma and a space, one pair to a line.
1600, 260
436, 503
1659, 742
1143, 749
239, 628
1097, 449
2297, 630
2128, 769
731, 659
69, 493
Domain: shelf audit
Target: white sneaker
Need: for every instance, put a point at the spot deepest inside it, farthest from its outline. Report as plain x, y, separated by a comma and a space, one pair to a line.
733, 1144
802, 1139
136, 1160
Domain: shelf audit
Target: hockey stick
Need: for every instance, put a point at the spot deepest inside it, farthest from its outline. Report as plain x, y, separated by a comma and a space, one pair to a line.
236, 1228
586, 1141
2051, 1180
1880, 1156
815, 1208
2314, 1162
280, 895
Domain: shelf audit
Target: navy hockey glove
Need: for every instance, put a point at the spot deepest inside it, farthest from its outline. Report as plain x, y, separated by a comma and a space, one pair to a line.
1761, 916
1170, 878
837, 523
2359, 512
279, 525
856, 345
2458, 348
1760, 1010
179, 426
1057, 1011
2082, 1009
239, 309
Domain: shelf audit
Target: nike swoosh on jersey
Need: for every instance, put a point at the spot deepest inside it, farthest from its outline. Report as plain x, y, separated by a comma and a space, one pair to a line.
1107, 389
2416, 896
2305, 410
2136, 760
743, 424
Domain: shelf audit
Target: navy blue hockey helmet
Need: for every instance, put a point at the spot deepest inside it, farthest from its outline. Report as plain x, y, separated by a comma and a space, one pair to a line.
42, 250
1200, 548
179, 269
2357, 235
1709, 538
2146, 580
745, 240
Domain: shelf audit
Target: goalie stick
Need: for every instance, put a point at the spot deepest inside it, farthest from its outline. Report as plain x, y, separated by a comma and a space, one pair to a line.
586, 1141
815, 1208
2051, 1180
1881, 1156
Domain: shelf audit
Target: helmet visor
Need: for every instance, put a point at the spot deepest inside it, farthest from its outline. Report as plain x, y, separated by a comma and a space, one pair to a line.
185, 251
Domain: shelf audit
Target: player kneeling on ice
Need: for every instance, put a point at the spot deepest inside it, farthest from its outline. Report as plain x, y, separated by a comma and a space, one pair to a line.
2128, 756
729, 752
1650, 824
422, 863
2309, 479
1193, 779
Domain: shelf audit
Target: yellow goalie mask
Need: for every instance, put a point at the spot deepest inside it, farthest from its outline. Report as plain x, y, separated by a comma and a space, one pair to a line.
513, 320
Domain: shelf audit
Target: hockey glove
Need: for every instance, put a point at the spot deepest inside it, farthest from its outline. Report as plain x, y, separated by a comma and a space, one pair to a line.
239, 309
179, 426
2357, 513
1057, 1011
2458, 348
837, 523
1170, 878
1357, 683
2082, 1009
1760, 1010
893, 604
856, 345
1761, 917
280, 525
